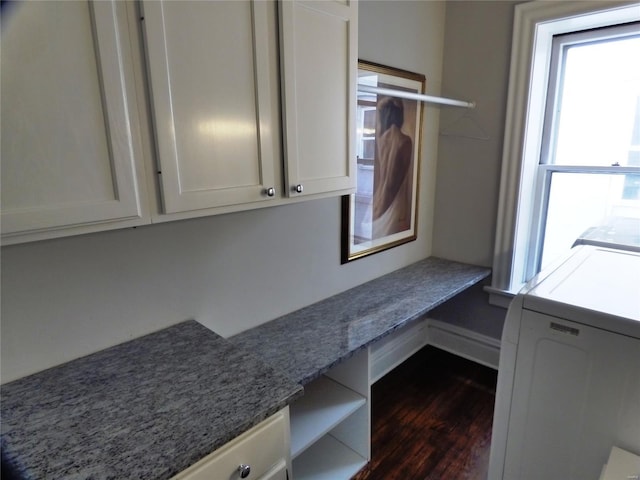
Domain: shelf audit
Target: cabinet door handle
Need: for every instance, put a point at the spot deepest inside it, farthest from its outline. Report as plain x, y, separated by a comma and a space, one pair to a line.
244, 470
270, 191
298, 188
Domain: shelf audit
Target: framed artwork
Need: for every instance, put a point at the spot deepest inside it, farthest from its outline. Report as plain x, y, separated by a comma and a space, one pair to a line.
384, 210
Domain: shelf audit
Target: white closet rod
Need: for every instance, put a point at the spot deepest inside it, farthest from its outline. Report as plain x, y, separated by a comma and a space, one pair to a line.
415, 96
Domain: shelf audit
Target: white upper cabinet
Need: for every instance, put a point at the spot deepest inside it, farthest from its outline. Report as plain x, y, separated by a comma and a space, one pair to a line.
69, 129
117, 114
212, 69
318, 45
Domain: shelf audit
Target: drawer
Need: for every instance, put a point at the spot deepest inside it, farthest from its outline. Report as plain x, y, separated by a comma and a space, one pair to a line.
264, 448
279, 472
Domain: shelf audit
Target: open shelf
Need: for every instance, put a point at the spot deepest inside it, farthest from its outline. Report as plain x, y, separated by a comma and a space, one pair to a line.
327, 459
324, 405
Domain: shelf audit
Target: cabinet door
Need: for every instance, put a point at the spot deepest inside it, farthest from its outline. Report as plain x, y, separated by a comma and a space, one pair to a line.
279, 472
69, 143
263, 449
319, 69
212, 85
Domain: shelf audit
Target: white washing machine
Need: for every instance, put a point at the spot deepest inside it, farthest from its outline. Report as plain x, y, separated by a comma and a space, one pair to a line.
569, 373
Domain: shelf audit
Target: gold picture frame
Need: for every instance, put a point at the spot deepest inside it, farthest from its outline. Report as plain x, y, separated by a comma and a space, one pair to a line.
383, 213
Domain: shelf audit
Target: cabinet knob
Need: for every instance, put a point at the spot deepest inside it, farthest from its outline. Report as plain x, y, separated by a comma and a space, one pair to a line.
244, 470
270, 193
298, 188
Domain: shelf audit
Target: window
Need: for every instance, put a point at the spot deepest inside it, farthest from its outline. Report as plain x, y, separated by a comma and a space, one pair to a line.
571, 166
588, 177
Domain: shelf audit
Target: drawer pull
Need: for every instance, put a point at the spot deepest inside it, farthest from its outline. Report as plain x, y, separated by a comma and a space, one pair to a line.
244, 470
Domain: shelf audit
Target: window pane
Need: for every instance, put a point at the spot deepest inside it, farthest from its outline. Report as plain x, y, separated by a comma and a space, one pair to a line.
599, 107
595, 206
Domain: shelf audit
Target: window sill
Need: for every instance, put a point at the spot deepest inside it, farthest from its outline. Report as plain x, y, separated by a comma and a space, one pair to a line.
498, 297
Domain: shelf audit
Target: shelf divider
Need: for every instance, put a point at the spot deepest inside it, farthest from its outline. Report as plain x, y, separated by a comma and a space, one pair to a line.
324, 405
327, 459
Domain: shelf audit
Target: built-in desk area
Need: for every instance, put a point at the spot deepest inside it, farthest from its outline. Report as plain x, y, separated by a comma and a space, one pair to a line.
325, 347
152, 407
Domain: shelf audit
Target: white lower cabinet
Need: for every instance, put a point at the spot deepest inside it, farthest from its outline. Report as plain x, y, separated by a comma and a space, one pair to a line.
279, 472
263, 453
324, 435
330, 424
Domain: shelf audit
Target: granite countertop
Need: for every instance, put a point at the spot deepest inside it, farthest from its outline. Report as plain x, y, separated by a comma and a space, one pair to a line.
148, 408
308, 342
153, 406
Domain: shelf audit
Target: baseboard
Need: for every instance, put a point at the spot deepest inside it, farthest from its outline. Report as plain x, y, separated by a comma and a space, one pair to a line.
466, 343
394, 349
391, 351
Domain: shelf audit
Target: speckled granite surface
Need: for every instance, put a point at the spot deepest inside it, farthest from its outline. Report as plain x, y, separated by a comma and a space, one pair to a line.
306, 343
151, 407
148, 408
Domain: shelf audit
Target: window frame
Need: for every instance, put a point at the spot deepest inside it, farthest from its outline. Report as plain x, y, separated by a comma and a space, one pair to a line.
535, 25
546, 164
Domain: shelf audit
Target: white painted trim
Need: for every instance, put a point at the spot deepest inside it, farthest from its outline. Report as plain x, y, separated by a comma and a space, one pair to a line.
499, 298
391, 351
534, 25
399, 346
465, 343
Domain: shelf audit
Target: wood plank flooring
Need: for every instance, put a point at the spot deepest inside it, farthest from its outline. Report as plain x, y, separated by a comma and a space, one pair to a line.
431, 419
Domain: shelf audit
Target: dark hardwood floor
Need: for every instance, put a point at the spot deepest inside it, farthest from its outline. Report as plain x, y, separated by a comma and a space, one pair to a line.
431, 419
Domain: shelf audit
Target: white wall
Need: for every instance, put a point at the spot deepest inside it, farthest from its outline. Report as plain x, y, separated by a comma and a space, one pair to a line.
65, 298
477, 54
